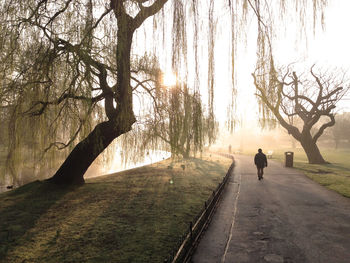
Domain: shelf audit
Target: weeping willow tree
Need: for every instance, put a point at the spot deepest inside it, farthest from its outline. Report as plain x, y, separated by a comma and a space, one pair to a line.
59, 66
66, 72
178, 122
173, 120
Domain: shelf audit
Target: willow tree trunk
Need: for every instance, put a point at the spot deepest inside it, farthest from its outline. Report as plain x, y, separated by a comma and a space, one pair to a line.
120, 118
311, 149
84, 153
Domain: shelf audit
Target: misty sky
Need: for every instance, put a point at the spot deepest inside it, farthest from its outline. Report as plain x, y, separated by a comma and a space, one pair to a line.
327, 49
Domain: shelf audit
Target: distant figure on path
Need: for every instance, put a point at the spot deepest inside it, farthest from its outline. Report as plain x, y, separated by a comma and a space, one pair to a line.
260, 161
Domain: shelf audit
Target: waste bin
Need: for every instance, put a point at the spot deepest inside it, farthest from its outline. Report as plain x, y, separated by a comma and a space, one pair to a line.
289, 159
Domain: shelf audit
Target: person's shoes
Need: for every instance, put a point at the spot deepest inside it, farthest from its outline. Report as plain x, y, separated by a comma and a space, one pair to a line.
259, 177
262, 177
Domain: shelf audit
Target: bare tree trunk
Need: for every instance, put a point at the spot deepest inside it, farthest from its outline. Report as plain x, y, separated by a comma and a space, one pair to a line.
311, 149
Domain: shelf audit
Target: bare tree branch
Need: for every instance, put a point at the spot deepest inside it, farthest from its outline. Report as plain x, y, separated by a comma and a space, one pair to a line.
147, 12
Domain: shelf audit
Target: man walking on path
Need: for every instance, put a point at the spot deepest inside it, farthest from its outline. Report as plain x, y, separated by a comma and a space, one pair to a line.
275, 221
260, 161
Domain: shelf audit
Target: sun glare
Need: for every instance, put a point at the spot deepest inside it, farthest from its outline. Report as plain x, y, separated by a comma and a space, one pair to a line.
169, 79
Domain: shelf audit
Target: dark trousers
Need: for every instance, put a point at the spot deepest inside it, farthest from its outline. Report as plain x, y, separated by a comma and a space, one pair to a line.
260, 171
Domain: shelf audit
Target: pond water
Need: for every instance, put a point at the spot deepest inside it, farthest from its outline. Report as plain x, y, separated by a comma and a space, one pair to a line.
116, 166
3, 188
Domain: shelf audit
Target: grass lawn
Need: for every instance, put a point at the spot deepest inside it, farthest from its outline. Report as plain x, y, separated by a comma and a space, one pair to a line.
132, 216
335, 176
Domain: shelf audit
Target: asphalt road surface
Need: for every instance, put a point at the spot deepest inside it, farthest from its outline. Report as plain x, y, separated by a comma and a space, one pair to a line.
286, 217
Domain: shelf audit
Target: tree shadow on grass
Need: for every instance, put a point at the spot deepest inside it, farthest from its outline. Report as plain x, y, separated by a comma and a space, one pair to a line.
337, 166
21, 208
323, 168
105, 219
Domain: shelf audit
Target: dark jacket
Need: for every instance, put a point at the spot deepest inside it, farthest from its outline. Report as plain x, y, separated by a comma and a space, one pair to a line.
260, 160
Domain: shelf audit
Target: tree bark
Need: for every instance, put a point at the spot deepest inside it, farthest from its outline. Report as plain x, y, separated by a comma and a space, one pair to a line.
311, 149
85, 152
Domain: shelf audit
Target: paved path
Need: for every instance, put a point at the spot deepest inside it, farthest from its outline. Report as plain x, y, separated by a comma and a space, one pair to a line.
284, 218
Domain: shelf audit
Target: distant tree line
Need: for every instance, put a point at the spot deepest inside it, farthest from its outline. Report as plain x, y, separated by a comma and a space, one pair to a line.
339, 134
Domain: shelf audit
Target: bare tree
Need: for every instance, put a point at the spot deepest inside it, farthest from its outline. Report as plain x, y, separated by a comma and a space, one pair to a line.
289, 96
